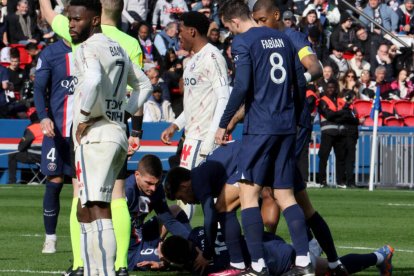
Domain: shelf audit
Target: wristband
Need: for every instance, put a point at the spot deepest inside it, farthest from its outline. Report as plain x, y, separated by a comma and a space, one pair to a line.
137, 133
136, 122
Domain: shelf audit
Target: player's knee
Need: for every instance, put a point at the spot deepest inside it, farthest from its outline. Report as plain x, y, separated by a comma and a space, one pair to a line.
55, 179
175, 210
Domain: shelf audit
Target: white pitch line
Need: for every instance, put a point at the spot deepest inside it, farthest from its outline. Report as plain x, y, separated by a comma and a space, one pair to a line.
38, 235
401, 204
372, 249
30, 271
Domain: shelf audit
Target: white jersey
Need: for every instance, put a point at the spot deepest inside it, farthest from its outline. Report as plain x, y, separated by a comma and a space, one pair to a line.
203, 73
102, 68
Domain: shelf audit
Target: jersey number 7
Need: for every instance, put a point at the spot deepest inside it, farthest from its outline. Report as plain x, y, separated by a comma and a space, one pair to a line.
121, 64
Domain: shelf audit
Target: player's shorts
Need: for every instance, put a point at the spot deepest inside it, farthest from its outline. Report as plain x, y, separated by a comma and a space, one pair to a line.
303, 138
267, 160
97, 166
56, 156
299, 184
190, 155
146, 249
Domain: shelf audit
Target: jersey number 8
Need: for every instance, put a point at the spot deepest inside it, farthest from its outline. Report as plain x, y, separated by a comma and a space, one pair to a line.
277, 66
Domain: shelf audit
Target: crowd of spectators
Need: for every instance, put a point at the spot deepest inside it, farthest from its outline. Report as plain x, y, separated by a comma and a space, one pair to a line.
355, 53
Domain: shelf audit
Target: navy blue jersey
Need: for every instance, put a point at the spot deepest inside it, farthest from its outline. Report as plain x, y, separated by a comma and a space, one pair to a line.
54, 86
269, 78
299, 41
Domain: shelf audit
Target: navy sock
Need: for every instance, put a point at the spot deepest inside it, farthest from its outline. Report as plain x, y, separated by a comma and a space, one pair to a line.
323, 235
182, 217
253, 232
51, 206
295, 220
231, 230
358, 262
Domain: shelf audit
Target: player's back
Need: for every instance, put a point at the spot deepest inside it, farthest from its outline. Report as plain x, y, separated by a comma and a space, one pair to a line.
269, 101
109, 104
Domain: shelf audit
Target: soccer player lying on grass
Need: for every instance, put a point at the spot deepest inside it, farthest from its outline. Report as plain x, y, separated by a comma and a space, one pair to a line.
208, 181
279, 256
144, 194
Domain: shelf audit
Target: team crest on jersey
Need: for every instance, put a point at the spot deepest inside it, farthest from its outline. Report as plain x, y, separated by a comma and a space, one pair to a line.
51, 167
192, 67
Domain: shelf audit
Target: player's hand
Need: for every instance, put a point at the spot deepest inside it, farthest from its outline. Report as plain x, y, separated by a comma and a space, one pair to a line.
48, 128
200, 263
82, 128
220, 136
167, 134
134, 143
151, 264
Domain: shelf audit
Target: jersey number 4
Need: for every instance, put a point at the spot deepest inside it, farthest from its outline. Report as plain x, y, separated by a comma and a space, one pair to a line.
276, 60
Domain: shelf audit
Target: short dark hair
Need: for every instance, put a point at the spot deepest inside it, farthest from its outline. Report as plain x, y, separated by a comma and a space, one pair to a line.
174, 178
268, 5
234, 9
177, 250
92, 5
14, 53
31, 46
196, 20
150, 164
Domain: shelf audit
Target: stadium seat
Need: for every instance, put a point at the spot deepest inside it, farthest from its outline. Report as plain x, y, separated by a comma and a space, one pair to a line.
370, 122
38, 177
387, 107
409, 120
404, 108
362, 108
393, 121
5, 64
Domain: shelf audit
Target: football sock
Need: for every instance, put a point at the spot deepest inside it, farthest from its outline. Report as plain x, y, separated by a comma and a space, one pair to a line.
295, 220
231, 230
86, 246
253, 232
182, 217
332, 265
104, 246
358, 262
51, 237
122, 227
75, 235
380, 258
323, 235
51, 206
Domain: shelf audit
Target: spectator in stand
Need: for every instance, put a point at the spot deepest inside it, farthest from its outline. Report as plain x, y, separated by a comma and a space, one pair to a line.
314, 38
229, 60
4, 79
12, 5
337, 61
289, 20
386, 91
29, 148
209, 8
368, 43
17, 76
134, 13
157, 109
3, 24
167, 39
385, 59
154, 76
367, 86
34, 52
406, 17
214, 39
403, 87
309, 20
327, 75
382, 14
358, 64
344, 34
167, 11
21, 27
151, 54
349, 82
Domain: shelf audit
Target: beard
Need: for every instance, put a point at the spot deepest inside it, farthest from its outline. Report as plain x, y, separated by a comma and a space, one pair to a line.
82, 36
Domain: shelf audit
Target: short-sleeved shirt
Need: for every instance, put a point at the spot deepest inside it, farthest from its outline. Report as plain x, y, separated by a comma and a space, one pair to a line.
4, 76
203, 73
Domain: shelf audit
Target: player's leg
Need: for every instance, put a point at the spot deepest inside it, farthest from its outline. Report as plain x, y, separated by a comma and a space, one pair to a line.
270, 210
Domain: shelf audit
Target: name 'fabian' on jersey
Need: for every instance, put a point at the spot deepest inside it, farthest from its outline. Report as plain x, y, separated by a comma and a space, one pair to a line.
272, 43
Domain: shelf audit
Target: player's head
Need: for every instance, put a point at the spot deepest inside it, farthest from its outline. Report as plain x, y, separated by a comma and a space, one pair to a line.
266, 13
112, 9
178, 185
84, 19
148, 174
193, 25
232, 13
179, 252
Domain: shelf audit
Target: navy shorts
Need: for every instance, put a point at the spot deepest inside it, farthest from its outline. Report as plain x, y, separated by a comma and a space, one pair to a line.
146, 248
56, 156
267, 160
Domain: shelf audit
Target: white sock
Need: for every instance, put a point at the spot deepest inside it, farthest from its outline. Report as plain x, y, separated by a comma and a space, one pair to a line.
104, 246
51, 237
302, 260
332, 265
380, 258
259, 265
87, 245
240, 265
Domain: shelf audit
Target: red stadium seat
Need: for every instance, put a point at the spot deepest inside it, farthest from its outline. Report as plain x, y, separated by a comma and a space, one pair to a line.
5, 64
409, 121
370, 122
387, 106
404, 108
393, 121
362, 108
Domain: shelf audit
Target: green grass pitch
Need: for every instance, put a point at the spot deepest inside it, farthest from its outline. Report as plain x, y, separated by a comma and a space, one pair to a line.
360, 221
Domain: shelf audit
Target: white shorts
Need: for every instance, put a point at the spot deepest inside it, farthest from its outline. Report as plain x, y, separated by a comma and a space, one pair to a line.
190, 155
97, 166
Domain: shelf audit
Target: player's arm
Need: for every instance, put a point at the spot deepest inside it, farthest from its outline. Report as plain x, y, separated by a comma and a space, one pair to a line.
238, 117
58, 22
141, 86
47, 11
313, 67
178, 124
299, 84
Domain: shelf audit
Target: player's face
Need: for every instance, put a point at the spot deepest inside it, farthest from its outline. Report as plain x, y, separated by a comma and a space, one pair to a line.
265, 18
185, 193
186, 37
231, 25
81, 23
146, 182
